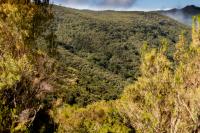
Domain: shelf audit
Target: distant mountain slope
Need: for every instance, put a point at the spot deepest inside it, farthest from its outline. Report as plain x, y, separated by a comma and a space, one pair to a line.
183, 15
104, 48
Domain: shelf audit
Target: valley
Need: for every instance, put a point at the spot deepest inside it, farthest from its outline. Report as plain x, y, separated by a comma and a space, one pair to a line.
68, 70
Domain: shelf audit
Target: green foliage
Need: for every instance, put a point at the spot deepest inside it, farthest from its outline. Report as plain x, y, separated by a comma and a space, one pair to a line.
97, 118
18, 90
93, 57
164, 99
152, 93
12, 70
112, 40
84, 82
103, 49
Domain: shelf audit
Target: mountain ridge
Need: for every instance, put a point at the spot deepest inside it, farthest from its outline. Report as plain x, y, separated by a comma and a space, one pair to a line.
183, 15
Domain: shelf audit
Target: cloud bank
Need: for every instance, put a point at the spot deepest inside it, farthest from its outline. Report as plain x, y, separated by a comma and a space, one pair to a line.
136, 5
117, 3
98, 3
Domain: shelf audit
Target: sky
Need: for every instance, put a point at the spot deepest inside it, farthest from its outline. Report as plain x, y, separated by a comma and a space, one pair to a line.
144, 5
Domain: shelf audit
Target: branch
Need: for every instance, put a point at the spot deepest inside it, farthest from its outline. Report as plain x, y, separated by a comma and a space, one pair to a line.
187, 108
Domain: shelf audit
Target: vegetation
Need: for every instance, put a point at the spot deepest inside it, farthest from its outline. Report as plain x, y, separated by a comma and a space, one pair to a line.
111, 39
71, 78
163, 99
19, 87
103, 48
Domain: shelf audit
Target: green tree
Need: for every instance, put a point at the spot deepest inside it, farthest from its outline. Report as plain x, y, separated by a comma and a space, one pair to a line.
165, 99
18, 53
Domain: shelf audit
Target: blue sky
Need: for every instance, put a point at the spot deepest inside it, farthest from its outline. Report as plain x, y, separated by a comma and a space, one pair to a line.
127, 4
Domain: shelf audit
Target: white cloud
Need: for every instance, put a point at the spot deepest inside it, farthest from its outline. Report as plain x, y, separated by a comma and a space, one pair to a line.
117, 3
98, 3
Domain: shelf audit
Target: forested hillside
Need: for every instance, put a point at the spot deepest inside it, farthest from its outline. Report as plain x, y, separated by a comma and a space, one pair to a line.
111, 39
67, 70
165, 97
104, 47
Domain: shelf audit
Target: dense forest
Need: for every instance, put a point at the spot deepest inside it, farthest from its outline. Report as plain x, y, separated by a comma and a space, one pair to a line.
79, 71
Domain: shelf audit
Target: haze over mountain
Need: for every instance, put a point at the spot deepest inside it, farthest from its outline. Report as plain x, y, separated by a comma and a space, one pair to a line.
180, 10
131, 5
183, 15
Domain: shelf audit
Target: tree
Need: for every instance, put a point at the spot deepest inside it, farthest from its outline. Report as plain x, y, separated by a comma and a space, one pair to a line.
20, 25
165, 99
